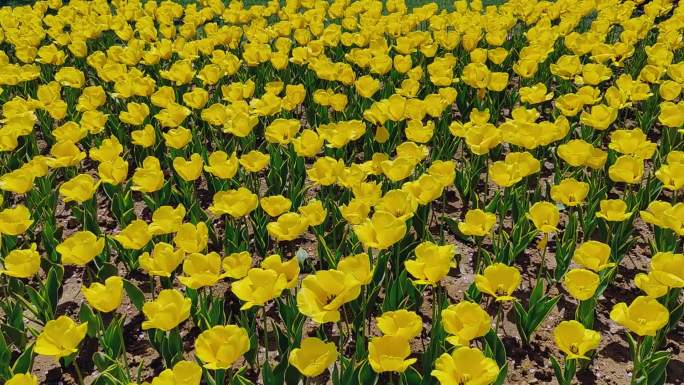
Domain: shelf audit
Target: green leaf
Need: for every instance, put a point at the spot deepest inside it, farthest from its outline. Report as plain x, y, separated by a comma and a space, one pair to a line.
502, 375
135, 294
412, 377
86, 314
24, 362
366, 375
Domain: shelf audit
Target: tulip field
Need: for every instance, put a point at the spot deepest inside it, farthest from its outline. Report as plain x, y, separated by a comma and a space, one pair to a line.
341, 192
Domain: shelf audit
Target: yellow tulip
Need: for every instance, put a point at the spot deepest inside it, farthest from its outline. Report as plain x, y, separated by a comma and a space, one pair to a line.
613, 210
134, 236
581, 283
573, 339
167, 311
499, 281
23, 379
80, 248
237, 265
313, 357
21, 263
668, 268
163, 260
167, 220
313, 212
220, 346
104, 298
465, 366
545, 217
380, 231
400, 323
236, 203
259, 287
192, 238
464, 322
222, 166
477, 223
644, 316
188, 170
15, 221
275, 205
60, 337
389, 354
432, 263
593, 255
570, 192
201, 270
79, 188
148, 178
182, 373
358, 266
322, 293
290, 269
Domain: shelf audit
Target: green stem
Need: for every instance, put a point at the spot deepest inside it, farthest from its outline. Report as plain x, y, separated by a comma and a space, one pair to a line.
79, 376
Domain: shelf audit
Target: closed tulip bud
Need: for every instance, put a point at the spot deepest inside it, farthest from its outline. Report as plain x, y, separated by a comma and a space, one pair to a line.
167, 311
313, 357
60, 337
259, 287
236, 203
220, 346
104, 298
401, 323
389, 354
163, 260
465, 366
581, 283
573, 339
192, 238
15, 221
464, 322
237, 265
432, 263
644, 316
80, 248
21, 263
78, 189
499, 281
134, 236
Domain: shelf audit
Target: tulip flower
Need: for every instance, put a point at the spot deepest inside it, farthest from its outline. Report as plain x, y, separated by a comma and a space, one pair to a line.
60, 337
432, 263
313, 357
581, 283
464, 322
313, 212
134, 236
182, 373
236, 203
358, 266
499, 281
222, 166
389, 354
644, 316
275, 205
545, 217
192, 238
220, 346
80, 248
167, 311
465, 366
148, 178
380, 231
21, 263
401, 323
668, 268
15, 221
573, 339
23, 379
78, 189
163, 260
324, 292
167, 220
201, 270
237, 265
259, 287
613, 210
477, 223
593, 255
570, 192
104, 298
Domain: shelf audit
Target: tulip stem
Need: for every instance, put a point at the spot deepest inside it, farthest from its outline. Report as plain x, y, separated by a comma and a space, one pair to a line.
79, 376
263, 313
124, 353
